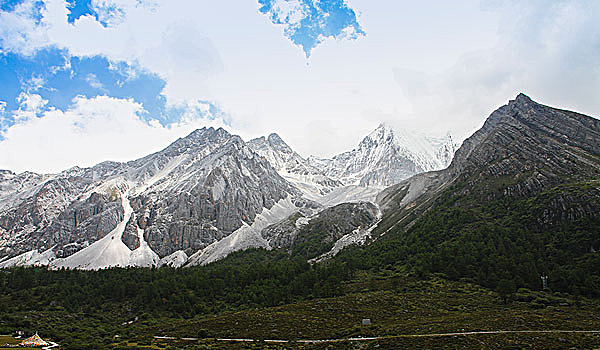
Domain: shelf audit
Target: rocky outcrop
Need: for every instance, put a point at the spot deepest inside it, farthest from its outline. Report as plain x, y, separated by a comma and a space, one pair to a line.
312, 236
131, 236
49, 214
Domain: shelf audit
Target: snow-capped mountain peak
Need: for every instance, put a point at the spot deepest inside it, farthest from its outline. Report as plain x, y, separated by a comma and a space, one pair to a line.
386, 156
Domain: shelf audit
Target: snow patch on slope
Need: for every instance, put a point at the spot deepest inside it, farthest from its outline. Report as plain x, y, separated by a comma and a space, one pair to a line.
243, 238
176, 259
358, 236
247, 236
308, 184
143, 256
161, 174
30, 258
350, 194
110, 251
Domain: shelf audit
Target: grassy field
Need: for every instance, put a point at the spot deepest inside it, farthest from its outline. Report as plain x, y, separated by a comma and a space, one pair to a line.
398, 306
8, 339
409, 308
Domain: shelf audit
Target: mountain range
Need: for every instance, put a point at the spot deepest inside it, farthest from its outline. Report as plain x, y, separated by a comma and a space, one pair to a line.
194, 202
529, 174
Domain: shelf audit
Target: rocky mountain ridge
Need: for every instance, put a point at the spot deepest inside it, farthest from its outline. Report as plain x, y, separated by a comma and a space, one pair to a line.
195, 192
194, 202
292, 167
384, 157
524, 146
521, 199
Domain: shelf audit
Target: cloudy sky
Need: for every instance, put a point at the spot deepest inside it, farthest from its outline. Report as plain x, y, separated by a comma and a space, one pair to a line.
82, 81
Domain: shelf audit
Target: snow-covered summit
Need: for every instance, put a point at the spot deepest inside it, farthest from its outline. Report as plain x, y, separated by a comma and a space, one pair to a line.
387, 156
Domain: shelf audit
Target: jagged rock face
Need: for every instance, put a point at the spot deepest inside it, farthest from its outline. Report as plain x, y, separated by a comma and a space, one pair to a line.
207, 196
283, 233
196, 191
313, 236
569, 205
82, 223
224, 190
130, 236
38, 214
291, 166
527, 147
386, 157
11, 183
279, 154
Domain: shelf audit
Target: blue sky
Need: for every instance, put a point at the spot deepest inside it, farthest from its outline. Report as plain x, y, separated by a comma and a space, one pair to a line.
78, 8
133, 75
308, 22
58, 78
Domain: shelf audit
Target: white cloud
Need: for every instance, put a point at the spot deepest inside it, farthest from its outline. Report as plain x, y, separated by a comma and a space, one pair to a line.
158, 37
92, 79
422, 66
3, 124
163, 39
109, 12
289, 11
19, 31
30, 106
33, 84
91, 131
549, 51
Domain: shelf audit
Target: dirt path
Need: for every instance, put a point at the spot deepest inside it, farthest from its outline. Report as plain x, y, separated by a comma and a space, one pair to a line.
247, 340
52, 345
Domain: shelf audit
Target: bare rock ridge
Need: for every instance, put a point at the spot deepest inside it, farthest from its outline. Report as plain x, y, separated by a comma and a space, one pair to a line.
526, 136
292, 167
522, 149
